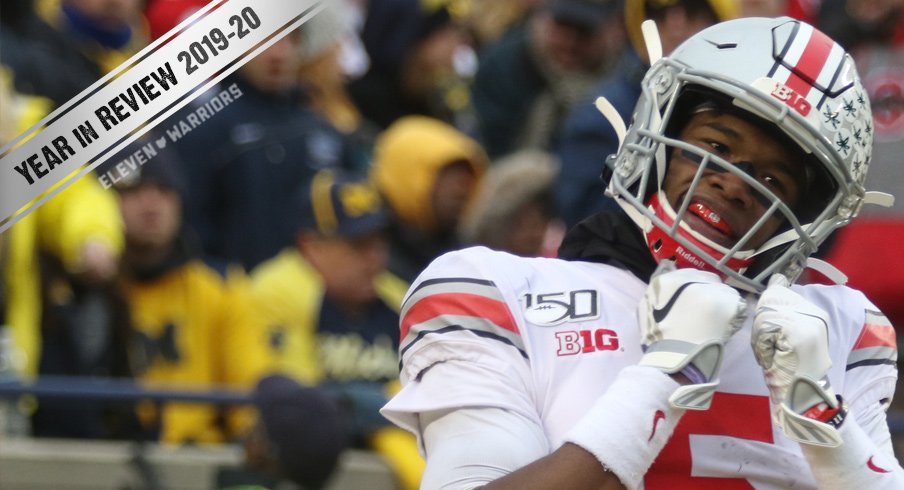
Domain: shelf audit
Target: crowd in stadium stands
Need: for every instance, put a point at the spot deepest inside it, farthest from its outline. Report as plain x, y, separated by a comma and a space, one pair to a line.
272, 226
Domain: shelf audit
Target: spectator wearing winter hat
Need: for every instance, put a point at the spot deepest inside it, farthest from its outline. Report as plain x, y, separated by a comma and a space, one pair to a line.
107, 32
420, 63
330, 54
427, 171
331, 309
536, 72
298, 437
57, 48
193, 328
513, 208
328, 40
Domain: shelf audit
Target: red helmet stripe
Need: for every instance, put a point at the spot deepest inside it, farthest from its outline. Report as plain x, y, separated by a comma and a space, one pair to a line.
811, 62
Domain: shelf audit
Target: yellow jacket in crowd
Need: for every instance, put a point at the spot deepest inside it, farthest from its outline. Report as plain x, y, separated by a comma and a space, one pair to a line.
196, 331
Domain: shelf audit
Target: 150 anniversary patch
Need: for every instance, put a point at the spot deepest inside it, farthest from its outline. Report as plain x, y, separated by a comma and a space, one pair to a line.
550, 309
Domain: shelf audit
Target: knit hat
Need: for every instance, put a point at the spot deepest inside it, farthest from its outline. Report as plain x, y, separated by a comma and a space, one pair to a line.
142, 162
324, 30
303, 426
393, 28
510, 183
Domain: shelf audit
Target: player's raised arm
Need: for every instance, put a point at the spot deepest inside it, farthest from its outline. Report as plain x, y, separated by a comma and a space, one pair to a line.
790, 341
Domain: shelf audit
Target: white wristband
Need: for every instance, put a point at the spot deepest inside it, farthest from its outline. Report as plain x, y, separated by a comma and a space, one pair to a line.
857, 463
630, 423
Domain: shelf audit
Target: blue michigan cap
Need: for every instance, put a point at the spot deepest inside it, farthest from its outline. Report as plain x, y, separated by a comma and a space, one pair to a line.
340, 204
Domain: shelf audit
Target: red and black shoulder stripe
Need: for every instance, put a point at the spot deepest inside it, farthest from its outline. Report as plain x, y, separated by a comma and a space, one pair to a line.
443, 306
876, 344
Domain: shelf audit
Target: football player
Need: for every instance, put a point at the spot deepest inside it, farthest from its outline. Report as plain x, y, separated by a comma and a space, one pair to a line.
671, 349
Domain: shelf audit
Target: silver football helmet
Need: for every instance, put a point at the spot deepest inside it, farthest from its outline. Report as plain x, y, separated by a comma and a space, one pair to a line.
789, 78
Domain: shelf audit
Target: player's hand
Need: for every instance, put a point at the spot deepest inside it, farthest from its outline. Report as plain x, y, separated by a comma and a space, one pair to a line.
686, 316
790, 342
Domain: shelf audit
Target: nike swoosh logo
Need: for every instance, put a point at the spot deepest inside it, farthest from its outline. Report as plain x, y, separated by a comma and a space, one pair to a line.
659, 415
660, 313
872, 466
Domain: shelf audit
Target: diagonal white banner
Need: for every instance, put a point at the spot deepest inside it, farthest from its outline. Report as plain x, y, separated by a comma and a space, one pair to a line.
139, 94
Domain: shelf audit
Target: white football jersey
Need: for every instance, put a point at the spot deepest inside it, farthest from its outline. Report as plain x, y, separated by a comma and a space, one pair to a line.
555, 333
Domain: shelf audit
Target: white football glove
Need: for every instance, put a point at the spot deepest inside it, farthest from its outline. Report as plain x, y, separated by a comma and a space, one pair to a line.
686, 316
790, 341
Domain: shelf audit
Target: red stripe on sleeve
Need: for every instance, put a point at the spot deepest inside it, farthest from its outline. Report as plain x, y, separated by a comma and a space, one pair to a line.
458, 304
874, 335
810, 64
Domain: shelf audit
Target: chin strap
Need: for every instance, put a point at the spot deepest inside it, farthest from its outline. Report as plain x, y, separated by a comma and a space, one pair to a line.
883, 199
827, 269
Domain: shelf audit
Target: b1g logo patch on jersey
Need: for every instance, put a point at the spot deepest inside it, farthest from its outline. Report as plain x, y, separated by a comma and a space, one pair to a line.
571, 342
552, 309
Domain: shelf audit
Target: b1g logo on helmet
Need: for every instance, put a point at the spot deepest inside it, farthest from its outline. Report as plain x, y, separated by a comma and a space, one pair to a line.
793, 99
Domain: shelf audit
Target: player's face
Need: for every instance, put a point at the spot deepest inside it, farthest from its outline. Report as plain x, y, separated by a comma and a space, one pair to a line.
723, 207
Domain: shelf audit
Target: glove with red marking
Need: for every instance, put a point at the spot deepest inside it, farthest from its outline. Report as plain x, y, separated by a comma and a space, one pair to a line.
790, 342
686, 316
